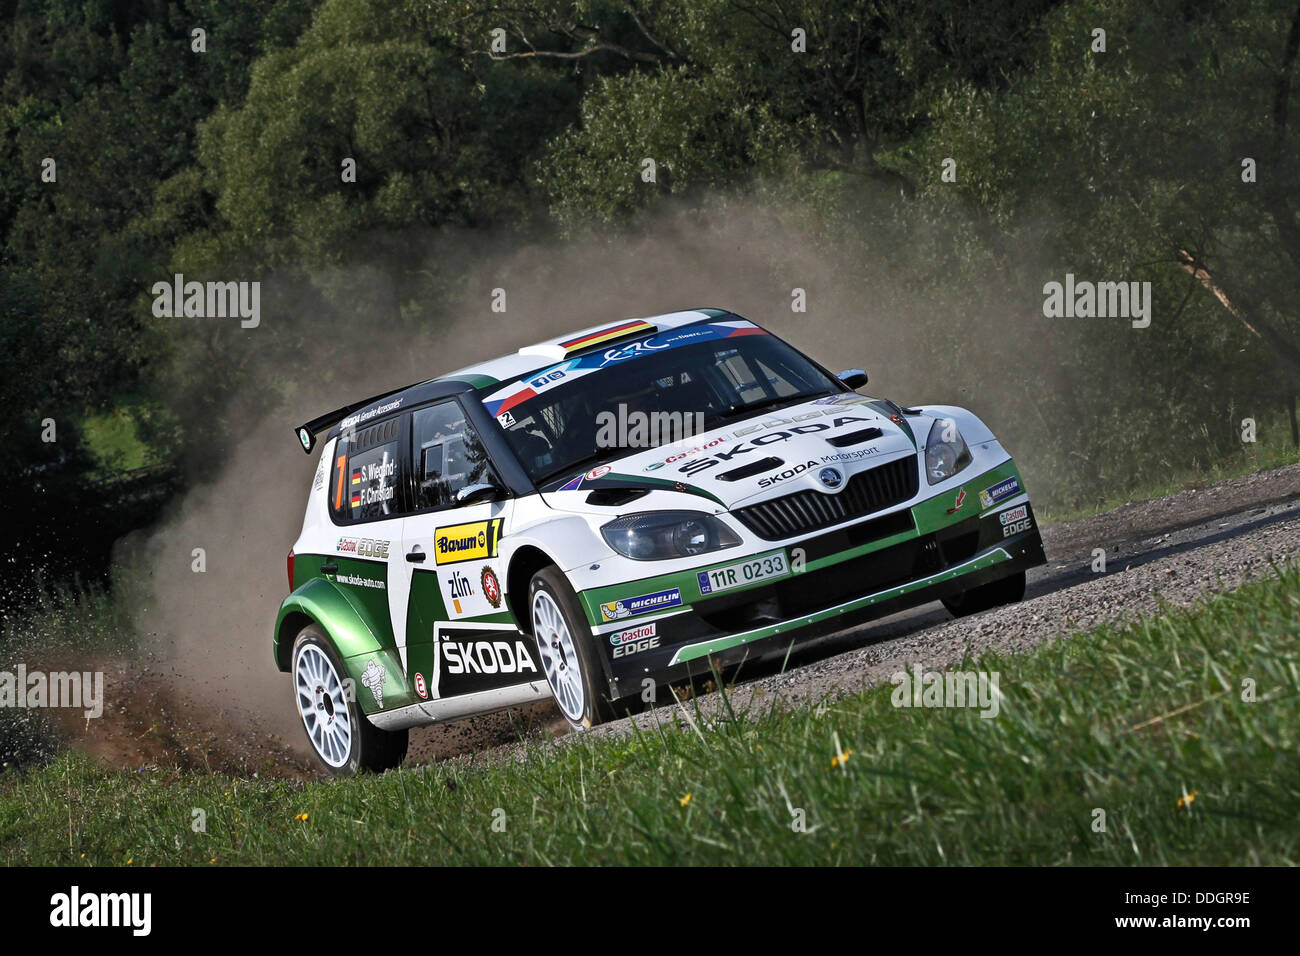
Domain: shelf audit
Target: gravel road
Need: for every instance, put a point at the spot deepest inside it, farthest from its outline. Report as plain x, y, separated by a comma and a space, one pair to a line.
1175, 549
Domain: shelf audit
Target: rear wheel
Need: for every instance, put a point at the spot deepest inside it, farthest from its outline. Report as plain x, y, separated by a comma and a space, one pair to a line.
343, 741
1006, 590
564, 642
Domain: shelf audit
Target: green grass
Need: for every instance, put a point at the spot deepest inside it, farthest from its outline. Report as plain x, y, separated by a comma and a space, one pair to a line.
1126, 720
113, 436
66, 623
69, 618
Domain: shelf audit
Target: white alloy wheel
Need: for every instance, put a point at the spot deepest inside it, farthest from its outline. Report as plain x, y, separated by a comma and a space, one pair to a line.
324, 710
559, 656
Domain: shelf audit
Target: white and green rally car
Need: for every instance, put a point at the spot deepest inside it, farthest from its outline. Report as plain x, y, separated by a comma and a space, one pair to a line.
637, 501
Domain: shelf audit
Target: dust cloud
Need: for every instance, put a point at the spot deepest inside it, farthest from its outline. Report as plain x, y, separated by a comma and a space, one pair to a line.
213, 629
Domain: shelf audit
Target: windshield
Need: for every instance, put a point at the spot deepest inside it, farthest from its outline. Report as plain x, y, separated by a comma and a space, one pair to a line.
652, 391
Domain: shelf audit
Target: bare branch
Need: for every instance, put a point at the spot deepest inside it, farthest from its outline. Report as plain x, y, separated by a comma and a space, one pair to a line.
645, 32
1202, 275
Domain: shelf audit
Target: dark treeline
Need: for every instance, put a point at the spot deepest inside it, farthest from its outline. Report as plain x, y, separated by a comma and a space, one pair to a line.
1114, 140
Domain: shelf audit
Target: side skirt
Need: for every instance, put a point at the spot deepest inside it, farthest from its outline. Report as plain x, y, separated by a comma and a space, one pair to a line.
467, 705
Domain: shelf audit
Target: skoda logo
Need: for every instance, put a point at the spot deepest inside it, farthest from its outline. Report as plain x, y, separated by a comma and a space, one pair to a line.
830, 477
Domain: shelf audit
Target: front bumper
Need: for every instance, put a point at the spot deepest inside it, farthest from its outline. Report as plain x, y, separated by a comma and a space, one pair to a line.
850, 575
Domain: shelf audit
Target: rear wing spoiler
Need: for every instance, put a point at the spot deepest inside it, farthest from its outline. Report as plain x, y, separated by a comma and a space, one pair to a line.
308, 431
366, 409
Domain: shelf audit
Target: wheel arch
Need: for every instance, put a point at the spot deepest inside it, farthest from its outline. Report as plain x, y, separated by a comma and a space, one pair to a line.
286, 628
321, 602
524, 563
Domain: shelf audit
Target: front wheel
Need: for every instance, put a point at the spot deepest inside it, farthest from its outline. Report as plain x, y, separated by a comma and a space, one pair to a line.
564, 642
1006, 590
343, 741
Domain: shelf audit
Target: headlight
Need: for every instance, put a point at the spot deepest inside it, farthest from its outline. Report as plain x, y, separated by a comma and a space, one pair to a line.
656, 535
945, 451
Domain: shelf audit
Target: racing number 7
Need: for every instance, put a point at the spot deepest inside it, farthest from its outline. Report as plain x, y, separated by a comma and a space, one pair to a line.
338, 495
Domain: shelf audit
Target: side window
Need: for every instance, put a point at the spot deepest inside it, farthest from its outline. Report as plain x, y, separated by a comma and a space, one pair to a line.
447, 455
367, 473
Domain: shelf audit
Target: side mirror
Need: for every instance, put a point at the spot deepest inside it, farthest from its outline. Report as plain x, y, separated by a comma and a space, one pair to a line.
471, 494
853, 377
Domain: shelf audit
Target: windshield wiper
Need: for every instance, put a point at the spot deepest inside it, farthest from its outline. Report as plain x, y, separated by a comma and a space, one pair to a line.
746, 409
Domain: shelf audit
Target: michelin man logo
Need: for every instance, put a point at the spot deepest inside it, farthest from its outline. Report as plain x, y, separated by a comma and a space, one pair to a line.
615, 611
373, 678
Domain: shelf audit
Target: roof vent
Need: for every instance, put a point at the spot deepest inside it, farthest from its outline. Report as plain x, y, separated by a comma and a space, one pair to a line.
855, 438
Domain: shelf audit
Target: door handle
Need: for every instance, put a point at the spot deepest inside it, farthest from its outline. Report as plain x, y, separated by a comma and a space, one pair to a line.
330, 568
415, 556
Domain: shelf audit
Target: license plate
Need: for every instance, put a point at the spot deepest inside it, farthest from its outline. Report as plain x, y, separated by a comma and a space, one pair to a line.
772, 565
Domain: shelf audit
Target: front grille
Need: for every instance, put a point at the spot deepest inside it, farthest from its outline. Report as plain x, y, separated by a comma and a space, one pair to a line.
804, 511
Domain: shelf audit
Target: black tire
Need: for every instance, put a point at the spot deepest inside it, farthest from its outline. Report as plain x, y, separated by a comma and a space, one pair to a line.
594, 707
1006, 590
368, 748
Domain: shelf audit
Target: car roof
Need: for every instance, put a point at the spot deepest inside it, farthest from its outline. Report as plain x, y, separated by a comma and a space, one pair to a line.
528, 359
531, 358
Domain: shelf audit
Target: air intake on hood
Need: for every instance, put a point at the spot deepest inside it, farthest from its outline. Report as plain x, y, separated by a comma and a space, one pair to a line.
753, 468
855, 438
613, 497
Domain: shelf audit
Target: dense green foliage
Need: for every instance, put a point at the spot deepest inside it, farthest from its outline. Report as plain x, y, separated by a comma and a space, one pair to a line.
836, 116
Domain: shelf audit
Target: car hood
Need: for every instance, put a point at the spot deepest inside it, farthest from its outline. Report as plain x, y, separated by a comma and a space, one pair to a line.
766, 456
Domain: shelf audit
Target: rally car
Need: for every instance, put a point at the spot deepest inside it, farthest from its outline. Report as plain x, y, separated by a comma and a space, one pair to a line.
616, 510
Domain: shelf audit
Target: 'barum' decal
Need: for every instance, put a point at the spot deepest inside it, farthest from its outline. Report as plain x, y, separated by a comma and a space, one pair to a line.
472, 541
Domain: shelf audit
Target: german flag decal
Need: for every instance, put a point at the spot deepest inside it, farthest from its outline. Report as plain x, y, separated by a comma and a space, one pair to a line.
635, 327
356, 499
356, 476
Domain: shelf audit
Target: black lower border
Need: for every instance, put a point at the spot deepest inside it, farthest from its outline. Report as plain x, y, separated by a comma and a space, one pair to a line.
947, 907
